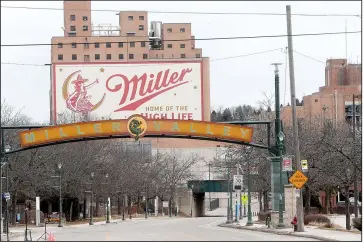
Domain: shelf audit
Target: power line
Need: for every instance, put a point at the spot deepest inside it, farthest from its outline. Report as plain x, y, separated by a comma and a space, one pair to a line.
201, 39
196, 13
212, 60
309, 57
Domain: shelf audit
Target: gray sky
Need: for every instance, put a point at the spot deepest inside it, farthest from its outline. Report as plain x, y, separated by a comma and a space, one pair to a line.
234, 81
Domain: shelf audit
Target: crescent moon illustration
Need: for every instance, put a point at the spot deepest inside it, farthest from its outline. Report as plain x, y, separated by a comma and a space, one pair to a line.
65, 91
65, 85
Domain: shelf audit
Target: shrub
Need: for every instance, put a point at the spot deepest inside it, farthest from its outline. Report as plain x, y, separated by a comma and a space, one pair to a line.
357, 223
317, 218
263, 215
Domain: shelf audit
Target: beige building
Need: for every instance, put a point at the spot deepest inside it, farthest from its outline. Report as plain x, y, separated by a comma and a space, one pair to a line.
130, 41
334, 100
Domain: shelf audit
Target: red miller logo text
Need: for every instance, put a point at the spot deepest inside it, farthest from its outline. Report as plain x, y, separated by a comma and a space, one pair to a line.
140, 89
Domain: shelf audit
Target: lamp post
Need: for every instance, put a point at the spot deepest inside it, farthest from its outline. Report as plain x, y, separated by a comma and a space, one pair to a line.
281, 138
91, 206
279, 143
249, 187
60, 195
7, 149
229, 206
108, 205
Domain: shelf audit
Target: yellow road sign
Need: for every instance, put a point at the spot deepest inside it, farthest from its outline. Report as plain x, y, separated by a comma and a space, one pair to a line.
244, 199
298, 179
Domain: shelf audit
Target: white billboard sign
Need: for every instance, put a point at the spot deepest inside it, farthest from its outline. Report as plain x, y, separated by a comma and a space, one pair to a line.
156, 90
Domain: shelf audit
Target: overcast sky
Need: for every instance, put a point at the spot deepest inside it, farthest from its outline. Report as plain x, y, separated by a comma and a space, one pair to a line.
234, 81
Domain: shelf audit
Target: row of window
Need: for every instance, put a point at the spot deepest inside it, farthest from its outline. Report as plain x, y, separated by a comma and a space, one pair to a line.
140, 18
120, 56
108, 45
170, 30
98, 57
120, 45
73, 18
84, 28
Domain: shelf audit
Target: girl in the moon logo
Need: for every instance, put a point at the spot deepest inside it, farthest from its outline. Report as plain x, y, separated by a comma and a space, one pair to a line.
78, 101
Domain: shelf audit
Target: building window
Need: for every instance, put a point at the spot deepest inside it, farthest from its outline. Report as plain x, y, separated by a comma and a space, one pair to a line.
85, 28
73, 28
60, 45
85, 18
141, 18
132, 44
121, 56
74, 45
108, 44
97, 56
73, 17
60, 57
108, 56
130, 34
182, 30
131, 56
170, 45
97, 45
86, 58
131, 18
74, 57
182, 56
120, 45
141, 27
143, 44
71, 34
86, 45
169, 30
182, 46
144, 56
197, 55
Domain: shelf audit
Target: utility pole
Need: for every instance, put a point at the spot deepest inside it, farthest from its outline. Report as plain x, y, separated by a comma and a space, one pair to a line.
299, 203
355, 169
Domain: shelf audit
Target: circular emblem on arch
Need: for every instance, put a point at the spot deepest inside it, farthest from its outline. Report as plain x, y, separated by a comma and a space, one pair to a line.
136, 126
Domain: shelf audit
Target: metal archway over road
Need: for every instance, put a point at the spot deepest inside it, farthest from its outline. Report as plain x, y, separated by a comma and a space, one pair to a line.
136, 126
234, 132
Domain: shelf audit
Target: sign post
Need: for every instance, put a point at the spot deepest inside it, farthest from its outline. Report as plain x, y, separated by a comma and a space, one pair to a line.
237, 182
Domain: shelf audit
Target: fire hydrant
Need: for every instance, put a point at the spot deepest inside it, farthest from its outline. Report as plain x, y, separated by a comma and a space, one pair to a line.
294, 223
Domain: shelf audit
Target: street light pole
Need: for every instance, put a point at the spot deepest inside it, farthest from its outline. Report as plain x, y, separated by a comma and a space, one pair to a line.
229, 206
60, 195
108, 205
249, 212
91, 206
279, 140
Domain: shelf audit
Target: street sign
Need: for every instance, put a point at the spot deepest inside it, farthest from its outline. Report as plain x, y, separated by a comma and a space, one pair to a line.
286, 164
244, 199
165, 204
237, 182
298, 179
304, 165
6, 196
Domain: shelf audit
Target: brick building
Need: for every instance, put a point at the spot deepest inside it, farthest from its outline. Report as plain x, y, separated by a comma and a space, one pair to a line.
334, 100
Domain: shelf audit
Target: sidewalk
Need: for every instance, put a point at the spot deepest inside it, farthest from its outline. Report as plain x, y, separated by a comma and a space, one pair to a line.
310, 232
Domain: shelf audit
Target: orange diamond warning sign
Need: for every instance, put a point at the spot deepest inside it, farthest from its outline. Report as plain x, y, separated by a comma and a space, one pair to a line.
298, 179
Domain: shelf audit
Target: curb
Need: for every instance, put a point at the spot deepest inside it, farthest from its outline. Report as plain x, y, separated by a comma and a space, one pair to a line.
277, 232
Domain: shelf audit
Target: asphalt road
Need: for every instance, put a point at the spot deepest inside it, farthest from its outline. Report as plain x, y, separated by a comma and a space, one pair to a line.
161, 229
